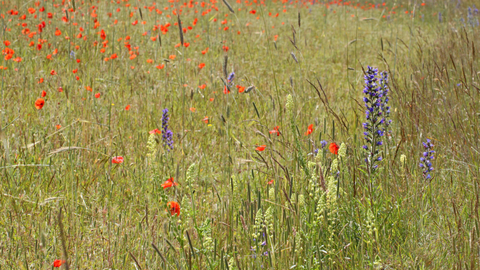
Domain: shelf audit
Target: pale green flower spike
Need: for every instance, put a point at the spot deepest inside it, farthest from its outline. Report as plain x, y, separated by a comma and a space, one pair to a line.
269, 221
151, 147
342, 151
289, 104
258, 224
191, 175
370, 225
334, 167
271, 193
403, 160
301, 200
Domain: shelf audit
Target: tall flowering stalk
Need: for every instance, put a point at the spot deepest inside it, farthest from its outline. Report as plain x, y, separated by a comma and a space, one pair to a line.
426, 159
167, 134
377, 113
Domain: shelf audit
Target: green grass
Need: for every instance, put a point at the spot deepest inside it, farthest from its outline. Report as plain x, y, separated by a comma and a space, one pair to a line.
63, 198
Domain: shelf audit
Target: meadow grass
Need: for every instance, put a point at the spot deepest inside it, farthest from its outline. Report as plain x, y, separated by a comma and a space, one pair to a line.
242, 206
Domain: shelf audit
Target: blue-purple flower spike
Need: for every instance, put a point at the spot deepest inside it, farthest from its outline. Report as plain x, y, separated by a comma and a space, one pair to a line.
167, 135
426, 159
377, 113
231, 76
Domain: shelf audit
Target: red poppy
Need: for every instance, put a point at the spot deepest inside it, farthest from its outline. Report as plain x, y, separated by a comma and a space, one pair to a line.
309, 130
270, 182
97, 95
169, 183
58, 263
205, 119
117, 160
261, 148
155, 131
333, 148
174, 208
60, 89
275, 131
53, 72
127, 108
225, 90
39, 103
240, 88
253, 11
44, 93
201, 65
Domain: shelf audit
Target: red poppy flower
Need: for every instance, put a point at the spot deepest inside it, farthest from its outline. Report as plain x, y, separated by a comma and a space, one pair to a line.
117, 160
309, 130
97, 95
53, 72
240, 88
270, 182
58, 126
225, 90
44, 93
155, 131
160, 66
275, 131
169, 183
127, 108
333, 148
261, 148
201, 65
253, 11
205, 119
39, 103
58, 263
174, 208
60, 89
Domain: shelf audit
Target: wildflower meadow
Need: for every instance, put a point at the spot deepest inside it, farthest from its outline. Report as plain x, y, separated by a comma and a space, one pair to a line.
239, 134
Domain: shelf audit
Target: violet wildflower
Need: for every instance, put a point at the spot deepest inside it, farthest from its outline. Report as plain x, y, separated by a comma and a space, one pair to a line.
231, 76
472, 21
426, 159
376, 103
167, 134
440, 17
323, 143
